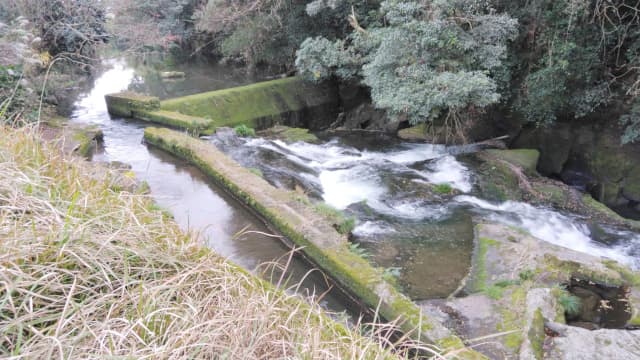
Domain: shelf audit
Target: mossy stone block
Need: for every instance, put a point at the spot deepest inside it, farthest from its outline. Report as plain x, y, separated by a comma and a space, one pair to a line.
127, 102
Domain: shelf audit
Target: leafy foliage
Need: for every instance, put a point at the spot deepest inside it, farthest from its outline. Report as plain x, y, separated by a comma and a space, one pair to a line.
429, 60
570, 303
244, 131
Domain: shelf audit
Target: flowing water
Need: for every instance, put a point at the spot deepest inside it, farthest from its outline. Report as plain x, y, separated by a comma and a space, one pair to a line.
196, 204
425, 240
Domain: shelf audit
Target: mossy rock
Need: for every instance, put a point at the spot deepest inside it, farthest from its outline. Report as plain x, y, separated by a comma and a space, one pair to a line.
414, 133
258, 105
527, 159
127, 102
289, 134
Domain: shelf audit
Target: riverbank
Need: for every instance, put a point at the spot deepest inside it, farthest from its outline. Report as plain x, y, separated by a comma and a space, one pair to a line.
100, 272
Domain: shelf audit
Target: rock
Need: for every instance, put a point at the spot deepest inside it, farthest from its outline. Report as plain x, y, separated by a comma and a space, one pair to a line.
575, 343
541, 306
414, 133
365, 116
172, 74
589, 302
508, 251
553, 143
289, 134
527, 159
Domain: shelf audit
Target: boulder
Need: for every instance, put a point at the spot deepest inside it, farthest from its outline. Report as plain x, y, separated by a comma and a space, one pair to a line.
414, 133
574, 343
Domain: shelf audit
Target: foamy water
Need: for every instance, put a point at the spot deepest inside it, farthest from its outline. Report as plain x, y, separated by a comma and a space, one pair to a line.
348, 175
555, 228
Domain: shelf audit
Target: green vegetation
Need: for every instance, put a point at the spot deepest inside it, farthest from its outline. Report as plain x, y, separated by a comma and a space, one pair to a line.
480, 271
570, 303
536, 334
253, 105
361, 252
342, 223
443, 189
244, 131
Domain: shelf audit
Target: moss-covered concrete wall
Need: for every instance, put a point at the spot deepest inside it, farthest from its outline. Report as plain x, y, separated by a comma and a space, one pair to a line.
127, 102
289, 101
298, 221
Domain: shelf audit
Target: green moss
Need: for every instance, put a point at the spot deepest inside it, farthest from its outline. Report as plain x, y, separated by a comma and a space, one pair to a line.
244, 131
251, 104
85, 139
125, 103
513, 319
195, 125
536, 334
414, 133
552, 193
561, 270
479, 266
340, 221
443, 189
630, 276
635, 321
527, 159
256, 171
290, 134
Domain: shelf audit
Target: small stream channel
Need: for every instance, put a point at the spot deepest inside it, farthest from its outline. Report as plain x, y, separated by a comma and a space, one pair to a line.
196, 204
425, 240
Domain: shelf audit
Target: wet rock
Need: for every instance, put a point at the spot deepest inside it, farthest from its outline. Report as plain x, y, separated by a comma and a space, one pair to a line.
289, 134
172, 74
609, 170
527, 159
554, 145
575, 343
474, 316
589, 302
540, 307
414, 133
365, 116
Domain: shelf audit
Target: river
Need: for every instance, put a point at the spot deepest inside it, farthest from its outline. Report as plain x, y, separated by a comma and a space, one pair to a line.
426, 241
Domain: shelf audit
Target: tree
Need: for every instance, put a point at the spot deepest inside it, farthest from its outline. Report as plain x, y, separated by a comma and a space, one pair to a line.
425, 61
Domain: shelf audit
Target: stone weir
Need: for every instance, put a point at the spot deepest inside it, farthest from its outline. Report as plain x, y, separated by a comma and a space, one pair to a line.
289, 101
293, 215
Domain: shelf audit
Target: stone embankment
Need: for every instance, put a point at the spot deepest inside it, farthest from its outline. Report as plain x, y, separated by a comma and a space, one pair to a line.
289, 101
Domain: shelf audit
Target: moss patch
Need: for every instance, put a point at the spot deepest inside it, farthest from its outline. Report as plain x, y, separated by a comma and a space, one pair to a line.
414, 133
290, 134
193, 124
126, 102
527, 159
251, 104
536, 334
480, 265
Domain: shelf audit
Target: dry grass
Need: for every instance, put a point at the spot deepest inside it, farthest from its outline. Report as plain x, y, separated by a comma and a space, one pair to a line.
90, 272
